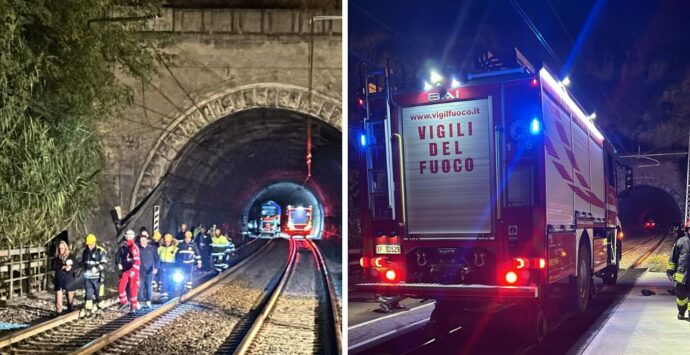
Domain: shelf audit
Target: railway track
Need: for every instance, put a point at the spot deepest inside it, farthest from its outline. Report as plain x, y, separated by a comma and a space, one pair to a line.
649, 252
264, 294
301, 316
71, 333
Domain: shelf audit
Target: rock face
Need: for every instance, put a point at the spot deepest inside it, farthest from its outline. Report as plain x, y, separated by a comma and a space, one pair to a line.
224, 116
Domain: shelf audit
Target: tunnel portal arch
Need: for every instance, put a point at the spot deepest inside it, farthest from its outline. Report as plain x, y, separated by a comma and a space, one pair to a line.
223, 104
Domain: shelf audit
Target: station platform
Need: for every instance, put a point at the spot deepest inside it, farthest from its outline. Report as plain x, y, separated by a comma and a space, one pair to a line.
369, 326
639, 324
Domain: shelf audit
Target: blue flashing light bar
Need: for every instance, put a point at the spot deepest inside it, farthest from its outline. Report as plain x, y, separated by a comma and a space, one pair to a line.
363, 139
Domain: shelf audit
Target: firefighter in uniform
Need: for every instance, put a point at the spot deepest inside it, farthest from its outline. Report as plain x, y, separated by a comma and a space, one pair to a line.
678, 269
167, 253
221, 250
187, 256
130, 274
93, 260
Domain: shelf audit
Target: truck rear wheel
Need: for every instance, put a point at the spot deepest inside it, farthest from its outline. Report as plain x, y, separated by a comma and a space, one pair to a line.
583, 281
610, 275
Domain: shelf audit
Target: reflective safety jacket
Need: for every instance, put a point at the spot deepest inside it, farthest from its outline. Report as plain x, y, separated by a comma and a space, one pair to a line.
678, 262
168, 254
187, 253
221, 246
93, 261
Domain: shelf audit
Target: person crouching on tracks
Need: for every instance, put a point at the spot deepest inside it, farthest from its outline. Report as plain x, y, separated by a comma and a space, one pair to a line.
221, 248
678, 270
167, 253
64, 277
130, 274
93, 260
187, 256
150, 262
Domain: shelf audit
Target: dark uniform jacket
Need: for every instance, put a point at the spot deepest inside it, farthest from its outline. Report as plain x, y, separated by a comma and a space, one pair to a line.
678, 262
149, 258
187, 253
203, 242
91, 258
122, 259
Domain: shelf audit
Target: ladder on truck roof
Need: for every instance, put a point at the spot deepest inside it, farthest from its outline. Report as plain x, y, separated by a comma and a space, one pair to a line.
378, 149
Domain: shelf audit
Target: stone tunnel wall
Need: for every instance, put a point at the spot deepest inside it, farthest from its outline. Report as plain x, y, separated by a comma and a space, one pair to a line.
222, 61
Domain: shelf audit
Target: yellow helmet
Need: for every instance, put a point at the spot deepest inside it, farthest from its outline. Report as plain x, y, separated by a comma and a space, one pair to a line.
156, 236
168, 237
90, 239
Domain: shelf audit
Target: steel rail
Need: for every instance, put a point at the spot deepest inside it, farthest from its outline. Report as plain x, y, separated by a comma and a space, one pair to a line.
140, 322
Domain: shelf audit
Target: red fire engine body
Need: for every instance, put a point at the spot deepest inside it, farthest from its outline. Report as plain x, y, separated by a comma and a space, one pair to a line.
499, 191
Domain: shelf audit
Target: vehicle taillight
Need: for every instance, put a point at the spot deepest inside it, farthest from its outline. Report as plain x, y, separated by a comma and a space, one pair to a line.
390, 275
364, 262
520, 263
511, 277
527, 263
378, 262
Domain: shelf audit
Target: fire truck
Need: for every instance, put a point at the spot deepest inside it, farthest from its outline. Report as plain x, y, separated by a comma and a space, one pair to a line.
496, 193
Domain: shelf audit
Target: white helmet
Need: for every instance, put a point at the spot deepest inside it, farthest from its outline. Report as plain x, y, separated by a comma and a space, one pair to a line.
130, 235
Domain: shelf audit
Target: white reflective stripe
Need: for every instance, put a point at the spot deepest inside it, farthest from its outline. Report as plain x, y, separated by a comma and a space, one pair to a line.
133, 298
188, 261
186, 251
123, 294
137, 258
136, 267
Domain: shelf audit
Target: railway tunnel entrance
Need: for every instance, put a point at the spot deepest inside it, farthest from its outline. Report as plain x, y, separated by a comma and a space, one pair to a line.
647, 210
240, 160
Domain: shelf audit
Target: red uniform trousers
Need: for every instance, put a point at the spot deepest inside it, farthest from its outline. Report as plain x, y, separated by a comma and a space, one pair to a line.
130, 277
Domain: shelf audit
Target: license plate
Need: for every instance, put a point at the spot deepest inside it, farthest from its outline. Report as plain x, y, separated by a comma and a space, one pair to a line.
387, 249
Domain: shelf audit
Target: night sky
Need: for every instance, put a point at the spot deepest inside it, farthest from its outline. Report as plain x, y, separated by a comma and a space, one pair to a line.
632, 67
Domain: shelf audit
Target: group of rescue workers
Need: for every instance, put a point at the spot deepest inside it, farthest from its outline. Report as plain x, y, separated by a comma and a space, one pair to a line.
144, 263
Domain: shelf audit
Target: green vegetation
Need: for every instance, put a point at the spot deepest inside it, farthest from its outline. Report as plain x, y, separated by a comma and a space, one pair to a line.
657, 263
59, 63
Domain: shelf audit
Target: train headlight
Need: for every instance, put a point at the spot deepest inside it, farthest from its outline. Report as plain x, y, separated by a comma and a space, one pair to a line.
178, 277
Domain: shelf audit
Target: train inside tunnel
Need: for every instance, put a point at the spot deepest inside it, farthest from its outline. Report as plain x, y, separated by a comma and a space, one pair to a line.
647, 210
285, 195
239, 161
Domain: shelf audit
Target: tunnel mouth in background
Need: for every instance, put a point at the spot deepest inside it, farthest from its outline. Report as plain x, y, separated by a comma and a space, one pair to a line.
219, 174
286, 193
647, 203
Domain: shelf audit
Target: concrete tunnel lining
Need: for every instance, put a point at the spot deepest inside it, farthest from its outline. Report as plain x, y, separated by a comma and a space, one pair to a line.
219, 170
